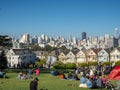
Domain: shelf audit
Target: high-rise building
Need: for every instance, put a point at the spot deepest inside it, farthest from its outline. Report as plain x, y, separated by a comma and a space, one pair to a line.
43, 37
83, 35
25, 38
116, 33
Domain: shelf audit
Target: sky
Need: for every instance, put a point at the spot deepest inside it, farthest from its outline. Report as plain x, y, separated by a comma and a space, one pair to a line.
59, 17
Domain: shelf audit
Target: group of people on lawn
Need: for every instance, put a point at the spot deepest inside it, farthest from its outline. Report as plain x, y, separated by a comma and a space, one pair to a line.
25, 75
90, 77
34, 83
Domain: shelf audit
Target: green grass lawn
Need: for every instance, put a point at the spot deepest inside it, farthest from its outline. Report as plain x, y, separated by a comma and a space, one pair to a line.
46, 81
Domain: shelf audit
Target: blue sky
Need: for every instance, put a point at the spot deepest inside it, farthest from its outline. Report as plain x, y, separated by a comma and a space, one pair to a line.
59, 17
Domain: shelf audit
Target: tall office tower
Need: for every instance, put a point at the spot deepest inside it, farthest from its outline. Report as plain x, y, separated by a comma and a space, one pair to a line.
83, 35
46, 38
25, 38
35, 39
70, 38
39, 39
31, 40
43, 37
116, 33
74, 40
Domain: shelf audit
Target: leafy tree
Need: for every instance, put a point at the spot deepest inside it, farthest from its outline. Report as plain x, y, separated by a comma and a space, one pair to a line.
5, 41
64, 49
48, 48
36, 47
40, 63
3, 60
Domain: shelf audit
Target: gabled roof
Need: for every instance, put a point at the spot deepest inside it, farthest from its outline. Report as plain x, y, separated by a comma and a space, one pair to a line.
107, 50
62, 53
115, 49
54, 53
96, 50
21, 51
39, 52
70, 52
75, 51
81, 51
118, 48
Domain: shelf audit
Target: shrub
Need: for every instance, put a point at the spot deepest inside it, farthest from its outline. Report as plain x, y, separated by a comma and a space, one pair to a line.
83, 64
31, 66
38, 64
70, 65
117, 63
58, 65
93, 63
106, 63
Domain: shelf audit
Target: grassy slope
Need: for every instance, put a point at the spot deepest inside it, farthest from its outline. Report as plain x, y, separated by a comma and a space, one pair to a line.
46, 81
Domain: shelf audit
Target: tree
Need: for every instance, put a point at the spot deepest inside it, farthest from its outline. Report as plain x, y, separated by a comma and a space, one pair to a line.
36, 47
64, 49
5, 41
40, 63
3, 60
48, 48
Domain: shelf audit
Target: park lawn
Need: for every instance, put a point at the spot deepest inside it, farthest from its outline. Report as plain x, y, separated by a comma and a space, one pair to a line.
46, 82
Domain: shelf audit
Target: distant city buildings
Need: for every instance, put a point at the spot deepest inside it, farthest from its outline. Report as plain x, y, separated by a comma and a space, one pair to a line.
105, 41
92, 48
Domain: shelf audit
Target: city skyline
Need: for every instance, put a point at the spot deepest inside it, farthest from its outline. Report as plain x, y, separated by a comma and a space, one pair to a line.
59, 17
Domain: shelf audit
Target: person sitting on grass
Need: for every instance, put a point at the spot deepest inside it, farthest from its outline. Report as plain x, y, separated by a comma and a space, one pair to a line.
75, 76
70, 76
99, 83
89, 83
30, 72
104, 80
83, 81
62, 76
2, 74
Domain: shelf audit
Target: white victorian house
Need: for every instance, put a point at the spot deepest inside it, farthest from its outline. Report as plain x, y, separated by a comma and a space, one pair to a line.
115, 55
51, 58
20, 56
104, 55
81, 56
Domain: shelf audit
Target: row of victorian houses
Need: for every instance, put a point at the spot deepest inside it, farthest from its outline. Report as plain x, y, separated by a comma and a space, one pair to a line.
90, 55
19, 56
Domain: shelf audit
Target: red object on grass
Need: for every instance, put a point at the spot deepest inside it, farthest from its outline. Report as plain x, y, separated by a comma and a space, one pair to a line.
115, 73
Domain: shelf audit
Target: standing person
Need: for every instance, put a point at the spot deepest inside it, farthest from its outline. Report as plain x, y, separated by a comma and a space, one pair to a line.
34, 84
37, 71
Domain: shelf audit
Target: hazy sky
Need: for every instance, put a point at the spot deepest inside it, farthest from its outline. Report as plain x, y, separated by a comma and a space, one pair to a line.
59, 17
